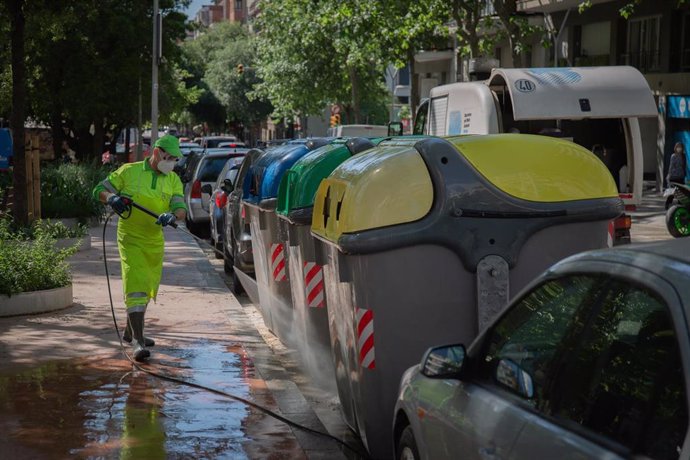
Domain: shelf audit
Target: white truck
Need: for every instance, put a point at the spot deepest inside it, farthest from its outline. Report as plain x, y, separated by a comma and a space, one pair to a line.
596, 107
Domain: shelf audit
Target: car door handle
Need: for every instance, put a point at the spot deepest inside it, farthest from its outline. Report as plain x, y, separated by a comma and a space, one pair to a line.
489, 453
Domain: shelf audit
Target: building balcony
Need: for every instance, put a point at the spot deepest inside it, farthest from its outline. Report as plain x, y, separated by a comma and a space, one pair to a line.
645, 62
551, 6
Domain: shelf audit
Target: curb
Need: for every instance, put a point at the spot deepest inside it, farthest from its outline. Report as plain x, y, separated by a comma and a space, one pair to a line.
30, 303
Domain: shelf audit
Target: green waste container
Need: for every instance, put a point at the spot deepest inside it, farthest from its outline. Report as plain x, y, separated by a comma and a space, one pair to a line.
294, 208
423, 242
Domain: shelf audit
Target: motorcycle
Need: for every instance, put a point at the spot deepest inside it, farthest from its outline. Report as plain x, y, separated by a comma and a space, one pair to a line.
678, 211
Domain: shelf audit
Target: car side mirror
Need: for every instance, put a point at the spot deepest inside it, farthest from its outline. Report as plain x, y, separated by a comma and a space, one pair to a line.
512, 376
444, 362
395, 128
207, 189
227, 186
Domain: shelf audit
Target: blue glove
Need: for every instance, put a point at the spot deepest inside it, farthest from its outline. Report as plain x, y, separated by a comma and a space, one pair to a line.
117, 203
166, 218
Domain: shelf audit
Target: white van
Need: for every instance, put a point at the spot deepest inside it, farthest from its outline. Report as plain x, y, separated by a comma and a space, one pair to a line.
596, 107
358, 131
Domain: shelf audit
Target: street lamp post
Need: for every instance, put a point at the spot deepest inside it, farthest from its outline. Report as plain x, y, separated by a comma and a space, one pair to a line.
156, 56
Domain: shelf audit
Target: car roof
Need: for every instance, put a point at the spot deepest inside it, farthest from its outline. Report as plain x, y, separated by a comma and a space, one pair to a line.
676, 249
226, 152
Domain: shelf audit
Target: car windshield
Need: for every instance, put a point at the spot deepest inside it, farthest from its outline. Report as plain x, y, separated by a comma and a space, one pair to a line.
211, 168
213, 143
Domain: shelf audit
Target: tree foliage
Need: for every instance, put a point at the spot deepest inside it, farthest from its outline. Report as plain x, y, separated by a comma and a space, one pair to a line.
214, 58
85, 64
312, 54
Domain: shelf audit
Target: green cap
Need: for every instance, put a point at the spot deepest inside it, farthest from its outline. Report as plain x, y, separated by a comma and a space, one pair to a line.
170, 144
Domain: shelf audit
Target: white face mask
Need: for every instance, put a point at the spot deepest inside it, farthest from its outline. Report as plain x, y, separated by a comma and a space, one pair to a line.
166, 166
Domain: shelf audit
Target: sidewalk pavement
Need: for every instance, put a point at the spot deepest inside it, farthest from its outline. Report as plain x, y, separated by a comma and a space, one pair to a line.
649, 219
202, 333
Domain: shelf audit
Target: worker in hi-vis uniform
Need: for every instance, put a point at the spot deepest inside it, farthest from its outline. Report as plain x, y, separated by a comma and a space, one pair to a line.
152, 184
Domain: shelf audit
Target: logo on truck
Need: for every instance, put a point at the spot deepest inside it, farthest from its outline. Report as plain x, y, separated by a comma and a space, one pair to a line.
525, 86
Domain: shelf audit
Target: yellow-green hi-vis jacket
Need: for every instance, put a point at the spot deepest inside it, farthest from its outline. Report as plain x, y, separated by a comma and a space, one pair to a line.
139, 239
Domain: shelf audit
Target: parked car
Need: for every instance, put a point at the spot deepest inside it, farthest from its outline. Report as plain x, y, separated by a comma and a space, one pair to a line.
591, 361
187, 149
185, 166
211, 142
230, 145
218, 200
206, 171
237, 240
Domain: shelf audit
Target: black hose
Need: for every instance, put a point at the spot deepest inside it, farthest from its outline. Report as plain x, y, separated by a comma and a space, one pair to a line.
202, 387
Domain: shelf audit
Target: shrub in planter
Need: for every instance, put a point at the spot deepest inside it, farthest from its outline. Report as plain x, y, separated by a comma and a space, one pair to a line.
66, 191
31, 265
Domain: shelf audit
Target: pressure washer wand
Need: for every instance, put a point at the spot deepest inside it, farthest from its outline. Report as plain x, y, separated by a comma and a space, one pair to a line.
174, 225
148, 211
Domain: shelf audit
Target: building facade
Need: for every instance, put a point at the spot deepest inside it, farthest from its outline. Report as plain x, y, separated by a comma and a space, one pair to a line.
655, 39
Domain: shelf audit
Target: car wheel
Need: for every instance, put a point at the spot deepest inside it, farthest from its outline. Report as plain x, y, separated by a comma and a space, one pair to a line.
227, 261
219, 250
237, 288
678, 221
407, 446
192, 227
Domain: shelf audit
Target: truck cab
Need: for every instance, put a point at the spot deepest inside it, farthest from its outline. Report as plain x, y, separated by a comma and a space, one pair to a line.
595, 107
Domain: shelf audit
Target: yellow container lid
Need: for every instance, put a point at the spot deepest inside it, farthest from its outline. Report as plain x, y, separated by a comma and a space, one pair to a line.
388, 185
537, 168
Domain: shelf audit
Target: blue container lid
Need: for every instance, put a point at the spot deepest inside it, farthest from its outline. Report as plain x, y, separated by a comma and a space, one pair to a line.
264, 177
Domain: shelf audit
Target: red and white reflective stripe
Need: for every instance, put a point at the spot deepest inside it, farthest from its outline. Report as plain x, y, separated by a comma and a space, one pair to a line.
365, 337
313, 282
278, 262
612, 234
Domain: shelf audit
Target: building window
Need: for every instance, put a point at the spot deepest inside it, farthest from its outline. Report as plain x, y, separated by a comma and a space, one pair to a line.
487, 9
643, 43
685, 56
238, 4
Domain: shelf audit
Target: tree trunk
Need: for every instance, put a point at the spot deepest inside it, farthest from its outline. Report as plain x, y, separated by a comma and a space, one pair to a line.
20, 207
58, 133
84, 140
98, 138
354, 84
507, 12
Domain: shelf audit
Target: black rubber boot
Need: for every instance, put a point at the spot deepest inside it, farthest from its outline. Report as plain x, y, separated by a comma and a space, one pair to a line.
136, 321
127, 336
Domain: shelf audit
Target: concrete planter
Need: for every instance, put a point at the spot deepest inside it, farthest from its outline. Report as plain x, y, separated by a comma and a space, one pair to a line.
68, 242
28, 303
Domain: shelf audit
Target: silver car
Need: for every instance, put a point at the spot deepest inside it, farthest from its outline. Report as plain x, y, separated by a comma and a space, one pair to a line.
591, 361
196, 193
218, 200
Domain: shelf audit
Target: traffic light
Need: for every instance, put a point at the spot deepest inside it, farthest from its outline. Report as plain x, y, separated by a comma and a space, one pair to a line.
335, 120
240, 69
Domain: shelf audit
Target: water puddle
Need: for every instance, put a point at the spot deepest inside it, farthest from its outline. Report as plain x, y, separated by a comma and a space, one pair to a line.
100, 408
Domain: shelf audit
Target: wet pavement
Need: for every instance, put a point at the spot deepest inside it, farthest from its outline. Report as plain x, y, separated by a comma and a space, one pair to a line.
67, 392
101, 408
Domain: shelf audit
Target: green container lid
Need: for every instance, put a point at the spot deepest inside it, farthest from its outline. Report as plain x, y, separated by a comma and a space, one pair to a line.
299, 184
